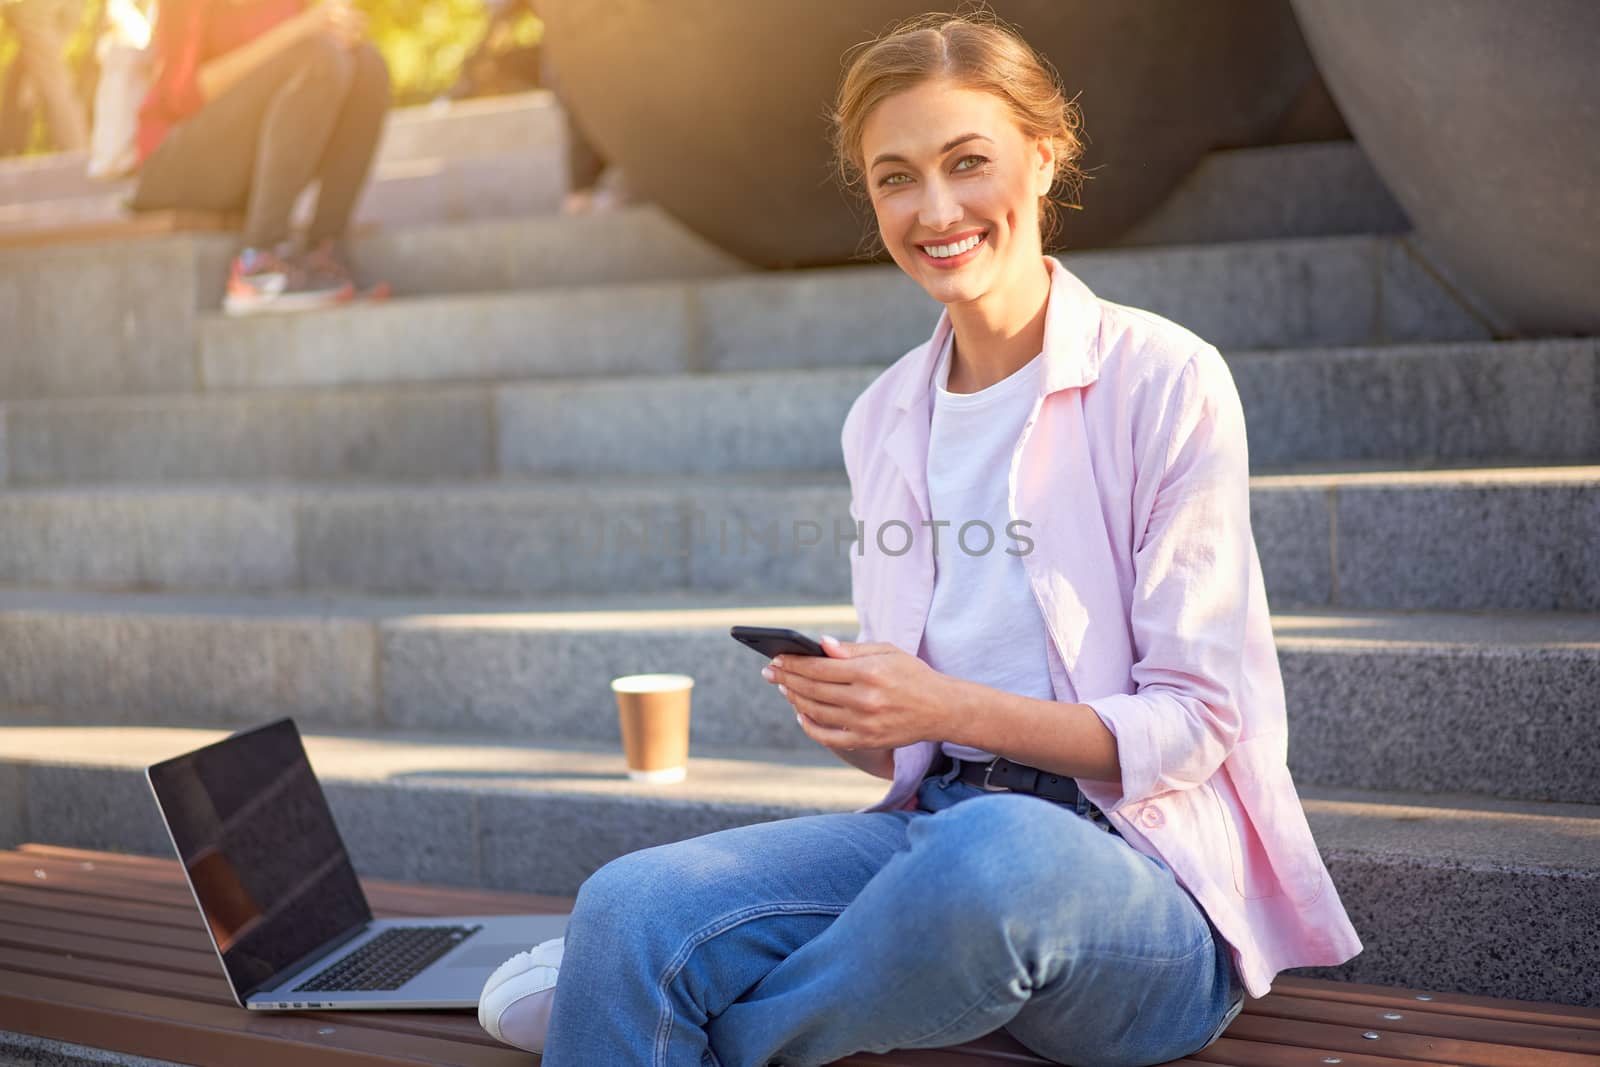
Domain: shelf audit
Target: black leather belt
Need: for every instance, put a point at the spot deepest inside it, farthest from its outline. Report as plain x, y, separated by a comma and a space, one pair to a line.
1001, 773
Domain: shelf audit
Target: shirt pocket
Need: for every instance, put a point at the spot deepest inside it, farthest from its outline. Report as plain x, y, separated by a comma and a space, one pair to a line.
1267, 825
1255, 879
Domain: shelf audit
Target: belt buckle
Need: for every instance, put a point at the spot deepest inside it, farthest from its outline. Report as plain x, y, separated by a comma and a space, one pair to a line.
988, 770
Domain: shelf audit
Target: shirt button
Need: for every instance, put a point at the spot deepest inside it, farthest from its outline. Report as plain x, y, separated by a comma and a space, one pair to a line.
1151, 818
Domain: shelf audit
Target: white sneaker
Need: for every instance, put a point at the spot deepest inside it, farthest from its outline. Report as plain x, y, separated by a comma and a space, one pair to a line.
514, 1006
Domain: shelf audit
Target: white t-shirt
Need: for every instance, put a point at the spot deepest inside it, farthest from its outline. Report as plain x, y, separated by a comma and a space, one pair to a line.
984, 625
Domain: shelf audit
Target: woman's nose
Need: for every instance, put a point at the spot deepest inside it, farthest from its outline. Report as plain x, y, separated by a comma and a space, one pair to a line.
940, 208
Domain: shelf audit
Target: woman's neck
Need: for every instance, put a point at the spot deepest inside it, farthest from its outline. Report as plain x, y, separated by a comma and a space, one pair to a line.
996, 335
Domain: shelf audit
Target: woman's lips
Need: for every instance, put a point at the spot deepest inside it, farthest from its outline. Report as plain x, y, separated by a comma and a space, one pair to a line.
951, 262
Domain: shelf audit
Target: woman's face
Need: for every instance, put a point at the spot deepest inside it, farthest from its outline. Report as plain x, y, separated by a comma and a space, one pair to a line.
948, 166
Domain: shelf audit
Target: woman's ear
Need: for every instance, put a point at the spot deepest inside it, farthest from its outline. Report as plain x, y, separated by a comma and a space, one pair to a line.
1045, 172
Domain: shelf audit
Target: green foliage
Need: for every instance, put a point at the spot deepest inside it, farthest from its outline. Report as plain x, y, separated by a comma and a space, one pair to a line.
79, 52
425, 41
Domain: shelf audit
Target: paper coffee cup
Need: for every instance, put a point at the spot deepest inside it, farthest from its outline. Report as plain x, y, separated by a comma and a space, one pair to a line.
654, 713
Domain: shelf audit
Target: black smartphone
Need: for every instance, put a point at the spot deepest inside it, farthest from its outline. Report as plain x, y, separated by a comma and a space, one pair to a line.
776, 641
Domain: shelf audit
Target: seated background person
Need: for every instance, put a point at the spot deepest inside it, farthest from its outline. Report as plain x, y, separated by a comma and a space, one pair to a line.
252, 101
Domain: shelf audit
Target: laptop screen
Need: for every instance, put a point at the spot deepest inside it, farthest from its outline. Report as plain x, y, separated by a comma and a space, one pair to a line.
258, 842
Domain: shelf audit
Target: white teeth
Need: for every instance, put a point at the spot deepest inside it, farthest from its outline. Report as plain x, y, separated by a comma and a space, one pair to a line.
946, 251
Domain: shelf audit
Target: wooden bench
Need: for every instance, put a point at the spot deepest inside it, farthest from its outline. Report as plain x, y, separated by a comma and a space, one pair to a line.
108, 951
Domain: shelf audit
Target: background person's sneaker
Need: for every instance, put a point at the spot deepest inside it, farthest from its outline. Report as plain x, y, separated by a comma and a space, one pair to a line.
265, 280
326, 265
514, 1006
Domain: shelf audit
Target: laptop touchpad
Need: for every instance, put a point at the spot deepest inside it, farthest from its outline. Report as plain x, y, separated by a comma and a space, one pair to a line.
485, 955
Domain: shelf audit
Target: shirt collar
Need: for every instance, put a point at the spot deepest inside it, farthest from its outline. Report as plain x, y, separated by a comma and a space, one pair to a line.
1071, 340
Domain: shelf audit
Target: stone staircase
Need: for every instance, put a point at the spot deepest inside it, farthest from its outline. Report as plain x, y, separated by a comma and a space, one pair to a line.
474, 159
432, 530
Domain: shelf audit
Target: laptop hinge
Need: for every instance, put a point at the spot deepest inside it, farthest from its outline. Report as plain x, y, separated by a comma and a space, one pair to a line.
327, 948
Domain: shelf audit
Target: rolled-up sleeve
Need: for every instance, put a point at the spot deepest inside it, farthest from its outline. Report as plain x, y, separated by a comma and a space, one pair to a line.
1191, 590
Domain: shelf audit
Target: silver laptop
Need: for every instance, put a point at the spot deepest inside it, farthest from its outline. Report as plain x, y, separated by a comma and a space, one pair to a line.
281, 901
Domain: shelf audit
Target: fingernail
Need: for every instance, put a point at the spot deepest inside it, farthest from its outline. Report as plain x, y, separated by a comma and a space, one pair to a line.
783, 689
828, 639
766, 672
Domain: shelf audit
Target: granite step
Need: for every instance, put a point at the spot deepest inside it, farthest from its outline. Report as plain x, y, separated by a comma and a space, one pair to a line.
635, 292
462, 129
1468, 538
1455, 893
1494, 704
1339, 291
120, 317
1522, 401
399, 193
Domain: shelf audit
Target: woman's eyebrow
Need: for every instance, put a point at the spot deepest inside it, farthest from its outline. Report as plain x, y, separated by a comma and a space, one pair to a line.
889, 157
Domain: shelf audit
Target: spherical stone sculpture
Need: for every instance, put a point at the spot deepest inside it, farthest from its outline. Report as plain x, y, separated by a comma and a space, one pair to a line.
1483, 118
717, 111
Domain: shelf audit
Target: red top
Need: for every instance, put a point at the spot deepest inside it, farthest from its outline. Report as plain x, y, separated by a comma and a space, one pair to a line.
187, 34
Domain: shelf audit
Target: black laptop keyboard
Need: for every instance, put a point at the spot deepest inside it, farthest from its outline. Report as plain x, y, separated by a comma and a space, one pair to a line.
389, 960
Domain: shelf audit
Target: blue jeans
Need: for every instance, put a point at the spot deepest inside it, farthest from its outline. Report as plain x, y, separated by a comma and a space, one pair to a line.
803, 940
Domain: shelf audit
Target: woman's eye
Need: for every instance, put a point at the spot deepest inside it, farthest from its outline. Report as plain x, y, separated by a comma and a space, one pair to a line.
890, 179
981, 160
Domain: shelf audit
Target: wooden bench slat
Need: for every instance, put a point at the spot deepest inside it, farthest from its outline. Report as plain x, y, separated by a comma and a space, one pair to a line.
164, 915
1456, 1003
91, 883
1341, 1039
104, 927
166, 884
210, 988
194, 974
118, 974
172, 1028
98, 926
166, 1027
463, 899
1235, 1052
92, 889
86, 947
1417, 1020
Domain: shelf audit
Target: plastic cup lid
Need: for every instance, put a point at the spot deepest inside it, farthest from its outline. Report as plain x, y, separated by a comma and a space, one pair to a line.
651, 683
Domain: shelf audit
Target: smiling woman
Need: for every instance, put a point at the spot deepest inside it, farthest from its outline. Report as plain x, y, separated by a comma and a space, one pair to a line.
1089, 838
957, 142
1012, 78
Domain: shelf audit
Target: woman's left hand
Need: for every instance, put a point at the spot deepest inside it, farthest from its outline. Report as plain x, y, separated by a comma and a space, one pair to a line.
864, 695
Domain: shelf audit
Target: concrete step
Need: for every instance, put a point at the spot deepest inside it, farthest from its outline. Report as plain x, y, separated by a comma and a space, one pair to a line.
1396, 404
120, 317
481, 127
1330, 291
408, 192
1515, 538
1448, 893
459, 130
1258, 194
634, 244
1494, 704
510, 184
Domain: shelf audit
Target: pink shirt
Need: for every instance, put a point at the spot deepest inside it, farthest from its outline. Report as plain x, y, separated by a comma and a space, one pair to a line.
1133, 473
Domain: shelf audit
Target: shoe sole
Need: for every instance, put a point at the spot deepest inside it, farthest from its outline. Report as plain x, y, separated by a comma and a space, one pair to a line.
290, 302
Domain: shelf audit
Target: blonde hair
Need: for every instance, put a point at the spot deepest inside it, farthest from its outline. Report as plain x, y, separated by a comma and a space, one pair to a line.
977, 51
